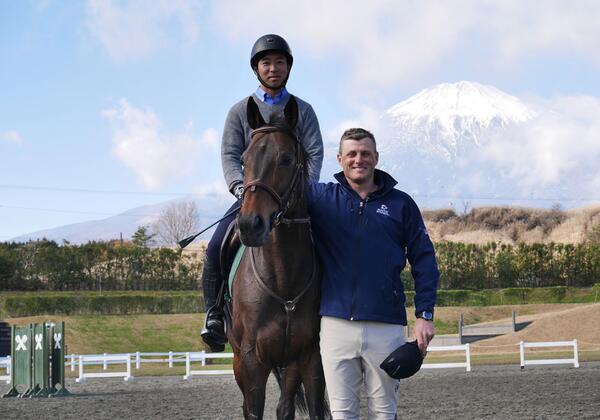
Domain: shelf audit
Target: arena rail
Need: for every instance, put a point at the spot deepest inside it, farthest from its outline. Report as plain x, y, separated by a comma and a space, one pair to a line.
5, 363
170, 358
201, 357
466, 364
105, 359
523, 345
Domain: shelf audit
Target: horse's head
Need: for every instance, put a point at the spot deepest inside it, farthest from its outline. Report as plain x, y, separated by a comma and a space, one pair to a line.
274, 173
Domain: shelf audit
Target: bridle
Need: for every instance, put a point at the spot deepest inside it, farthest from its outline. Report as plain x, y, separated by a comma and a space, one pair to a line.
283, 201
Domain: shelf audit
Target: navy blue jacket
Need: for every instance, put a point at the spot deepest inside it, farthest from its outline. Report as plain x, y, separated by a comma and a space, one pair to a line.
363, 246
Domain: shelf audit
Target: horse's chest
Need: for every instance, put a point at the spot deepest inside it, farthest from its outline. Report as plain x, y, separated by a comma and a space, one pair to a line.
282, 334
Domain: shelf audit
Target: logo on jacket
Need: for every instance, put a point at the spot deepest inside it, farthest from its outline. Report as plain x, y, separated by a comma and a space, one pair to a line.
383, 210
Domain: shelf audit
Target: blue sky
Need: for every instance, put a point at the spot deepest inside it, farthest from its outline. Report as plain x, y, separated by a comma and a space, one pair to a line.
109, 105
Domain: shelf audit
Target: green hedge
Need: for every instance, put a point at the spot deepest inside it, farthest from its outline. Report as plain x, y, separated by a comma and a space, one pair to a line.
20, 304
515, 296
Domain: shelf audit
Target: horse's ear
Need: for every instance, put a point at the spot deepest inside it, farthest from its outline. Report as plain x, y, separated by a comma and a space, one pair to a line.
291, 112
255, 119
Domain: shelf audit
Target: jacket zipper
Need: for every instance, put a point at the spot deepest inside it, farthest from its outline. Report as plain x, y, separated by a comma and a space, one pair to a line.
361, 208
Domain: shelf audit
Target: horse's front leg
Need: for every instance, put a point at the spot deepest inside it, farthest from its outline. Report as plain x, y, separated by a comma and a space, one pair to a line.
290, 382
314, 385
251, 377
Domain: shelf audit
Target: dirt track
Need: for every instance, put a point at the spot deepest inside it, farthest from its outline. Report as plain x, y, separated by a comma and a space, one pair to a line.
494, 392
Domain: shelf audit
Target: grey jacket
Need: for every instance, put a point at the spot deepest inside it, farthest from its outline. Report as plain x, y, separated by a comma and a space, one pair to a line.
236, 137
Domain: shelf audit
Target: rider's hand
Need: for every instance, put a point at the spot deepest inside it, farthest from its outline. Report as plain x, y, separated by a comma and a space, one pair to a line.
239, 192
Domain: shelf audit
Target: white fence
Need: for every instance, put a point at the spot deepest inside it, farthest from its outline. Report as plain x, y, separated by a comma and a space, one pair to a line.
523, 345
202, 357
170, 358
5, 363
105, 359
466, 364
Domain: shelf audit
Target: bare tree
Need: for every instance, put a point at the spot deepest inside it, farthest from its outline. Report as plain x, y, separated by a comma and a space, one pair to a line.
177, 221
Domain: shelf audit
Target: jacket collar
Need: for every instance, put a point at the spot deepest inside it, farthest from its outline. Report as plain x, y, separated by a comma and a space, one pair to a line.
384, 181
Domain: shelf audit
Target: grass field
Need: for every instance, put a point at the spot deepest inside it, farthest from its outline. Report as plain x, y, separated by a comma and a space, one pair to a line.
181, 332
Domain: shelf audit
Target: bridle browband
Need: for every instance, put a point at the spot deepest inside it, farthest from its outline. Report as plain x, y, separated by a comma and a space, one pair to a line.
283, 201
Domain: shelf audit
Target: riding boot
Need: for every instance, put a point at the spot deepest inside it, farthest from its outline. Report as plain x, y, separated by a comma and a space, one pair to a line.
213, 332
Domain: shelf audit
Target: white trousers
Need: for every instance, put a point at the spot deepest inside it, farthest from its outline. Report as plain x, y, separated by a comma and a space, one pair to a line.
352, 352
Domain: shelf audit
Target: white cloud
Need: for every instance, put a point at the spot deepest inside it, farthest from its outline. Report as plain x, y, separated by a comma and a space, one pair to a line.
559, 147
388, 42
137, 27
154, 155
11, 136
217, 189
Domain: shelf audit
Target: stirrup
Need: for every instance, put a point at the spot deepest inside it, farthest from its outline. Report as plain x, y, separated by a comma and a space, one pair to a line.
213, 332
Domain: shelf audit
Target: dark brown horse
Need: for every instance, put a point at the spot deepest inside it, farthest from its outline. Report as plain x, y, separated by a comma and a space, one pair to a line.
275, 307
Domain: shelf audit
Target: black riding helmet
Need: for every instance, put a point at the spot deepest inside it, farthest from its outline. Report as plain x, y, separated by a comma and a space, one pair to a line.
268, 44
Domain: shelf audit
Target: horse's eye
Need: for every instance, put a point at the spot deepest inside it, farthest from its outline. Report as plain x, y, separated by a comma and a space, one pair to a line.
285, 160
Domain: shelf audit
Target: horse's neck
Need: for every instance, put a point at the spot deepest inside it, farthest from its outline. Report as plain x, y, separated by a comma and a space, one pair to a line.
286, 255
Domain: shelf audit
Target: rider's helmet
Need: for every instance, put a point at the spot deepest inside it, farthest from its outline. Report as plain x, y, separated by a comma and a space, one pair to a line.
268, 44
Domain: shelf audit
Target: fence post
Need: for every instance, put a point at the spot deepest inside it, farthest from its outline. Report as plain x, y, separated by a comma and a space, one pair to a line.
522, 354
461, 322
129, 367
576, 353
203, 358
170, 359
105, 362
137, 360
80, 368
187, 366
72, 362
468, 357
514, 320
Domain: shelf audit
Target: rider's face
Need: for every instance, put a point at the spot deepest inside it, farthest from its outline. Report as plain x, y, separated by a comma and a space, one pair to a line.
273, 69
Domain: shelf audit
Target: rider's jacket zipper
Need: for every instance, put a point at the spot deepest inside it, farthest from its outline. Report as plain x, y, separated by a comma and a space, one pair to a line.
361, 208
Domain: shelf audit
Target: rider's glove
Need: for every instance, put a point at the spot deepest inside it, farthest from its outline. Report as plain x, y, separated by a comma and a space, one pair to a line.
239, 192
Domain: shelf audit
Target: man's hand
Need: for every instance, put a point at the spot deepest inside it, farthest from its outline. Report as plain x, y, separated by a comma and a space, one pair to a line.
423, 331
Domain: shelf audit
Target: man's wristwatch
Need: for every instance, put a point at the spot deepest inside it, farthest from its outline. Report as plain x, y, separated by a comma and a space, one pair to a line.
426, 315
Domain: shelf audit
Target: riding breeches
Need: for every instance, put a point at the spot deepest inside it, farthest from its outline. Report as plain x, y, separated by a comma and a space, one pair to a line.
210, 284
352, 352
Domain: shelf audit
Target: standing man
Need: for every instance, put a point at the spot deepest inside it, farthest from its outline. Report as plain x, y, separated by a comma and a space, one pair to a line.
271, 60
365, 230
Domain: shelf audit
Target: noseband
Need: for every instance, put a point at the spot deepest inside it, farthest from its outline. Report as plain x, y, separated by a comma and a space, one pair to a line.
283, 201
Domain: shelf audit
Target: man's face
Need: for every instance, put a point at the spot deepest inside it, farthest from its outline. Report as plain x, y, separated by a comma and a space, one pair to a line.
358, 159
273, 69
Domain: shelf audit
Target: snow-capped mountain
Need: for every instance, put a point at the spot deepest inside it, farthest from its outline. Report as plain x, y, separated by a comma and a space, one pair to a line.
446, 120
438, 144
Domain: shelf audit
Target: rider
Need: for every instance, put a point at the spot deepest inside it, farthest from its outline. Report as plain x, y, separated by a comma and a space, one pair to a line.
271, 60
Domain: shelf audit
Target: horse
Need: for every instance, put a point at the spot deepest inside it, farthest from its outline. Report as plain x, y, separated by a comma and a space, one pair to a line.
274, 313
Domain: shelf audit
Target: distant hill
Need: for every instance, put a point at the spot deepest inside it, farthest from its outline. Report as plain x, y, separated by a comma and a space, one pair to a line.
210, 209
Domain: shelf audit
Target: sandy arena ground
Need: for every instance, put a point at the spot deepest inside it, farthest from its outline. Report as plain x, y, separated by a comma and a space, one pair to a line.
491, 392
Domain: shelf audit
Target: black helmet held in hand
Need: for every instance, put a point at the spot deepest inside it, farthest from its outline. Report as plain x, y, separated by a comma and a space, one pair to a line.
403, 362
267, 44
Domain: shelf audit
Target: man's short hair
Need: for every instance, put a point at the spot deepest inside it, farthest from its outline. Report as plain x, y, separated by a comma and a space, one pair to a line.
357, 134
